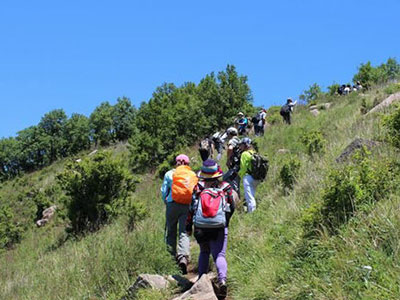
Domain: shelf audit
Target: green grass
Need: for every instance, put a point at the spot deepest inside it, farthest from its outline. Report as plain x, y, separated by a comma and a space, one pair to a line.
268, 257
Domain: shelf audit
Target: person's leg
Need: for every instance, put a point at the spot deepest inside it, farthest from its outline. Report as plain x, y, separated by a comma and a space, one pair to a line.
171, 224
218, 251
204, 258
249, 192
184, 241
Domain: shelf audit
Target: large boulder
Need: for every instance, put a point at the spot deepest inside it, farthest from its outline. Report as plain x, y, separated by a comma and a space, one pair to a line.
385, 103
353, 146
47, 215
156, 282
201, 290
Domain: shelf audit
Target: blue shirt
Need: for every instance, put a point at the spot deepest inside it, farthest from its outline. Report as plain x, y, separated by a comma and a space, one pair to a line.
166, 193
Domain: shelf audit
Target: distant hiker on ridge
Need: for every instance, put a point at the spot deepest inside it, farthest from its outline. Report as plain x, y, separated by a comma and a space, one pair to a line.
210, 212
241, 123
259, 122
287, 110
176, 191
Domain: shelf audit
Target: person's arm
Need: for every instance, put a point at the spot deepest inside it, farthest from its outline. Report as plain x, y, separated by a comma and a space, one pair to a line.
166, 186
189, 219
245, 160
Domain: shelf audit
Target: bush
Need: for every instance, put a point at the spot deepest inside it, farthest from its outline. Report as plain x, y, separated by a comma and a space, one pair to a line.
314, 142
392, 124
355, 187
288, 174
393, 88
98, 188
273, 117
10, 232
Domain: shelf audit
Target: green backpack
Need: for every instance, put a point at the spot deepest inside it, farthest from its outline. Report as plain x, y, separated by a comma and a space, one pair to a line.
259, 166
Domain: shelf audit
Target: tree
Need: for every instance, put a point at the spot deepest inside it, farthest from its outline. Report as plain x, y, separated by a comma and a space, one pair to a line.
52, 125
101, 124
33, 144
123, 118
77, 133
9, 164
312, 93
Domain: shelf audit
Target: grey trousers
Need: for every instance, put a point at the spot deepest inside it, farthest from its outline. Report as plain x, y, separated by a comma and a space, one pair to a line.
176, 215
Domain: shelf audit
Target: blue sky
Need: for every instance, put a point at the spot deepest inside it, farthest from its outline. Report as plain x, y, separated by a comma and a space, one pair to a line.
76, 54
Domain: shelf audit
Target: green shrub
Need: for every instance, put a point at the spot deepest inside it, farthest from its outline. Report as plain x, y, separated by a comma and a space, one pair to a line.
364, 106
98, 188
314, 142
354, 188
10, 231
392, 124
392, 88
289, 172
273, 117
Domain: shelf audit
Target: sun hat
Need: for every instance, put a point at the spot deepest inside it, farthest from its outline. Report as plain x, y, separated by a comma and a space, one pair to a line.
210, 170
240, 114
289, 100
182, 157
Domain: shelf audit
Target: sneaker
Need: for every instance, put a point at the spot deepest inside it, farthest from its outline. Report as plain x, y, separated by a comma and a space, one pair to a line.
182, 263
222, 290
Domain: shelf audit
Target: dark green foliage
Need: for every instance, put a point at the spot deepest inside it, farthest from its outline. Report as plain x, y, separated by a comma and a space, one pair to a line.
123, 119
98, 188
314, 142
101, 124
52, 127
289, 173
77, 134
392, 124
355, 187
178, 116
10, 231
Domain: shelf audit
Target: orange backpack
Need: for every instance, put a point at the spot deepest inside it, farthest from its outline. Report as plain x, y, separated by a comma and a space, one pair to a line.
183, 183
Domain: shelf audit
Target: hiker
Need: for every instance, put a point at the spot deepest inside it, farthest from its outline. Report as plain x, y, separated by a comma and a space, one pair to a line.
176, 192
341, 89
358, 86
287, 110
233, 160
259, 122
219, 139
241, 123
210, 212
251, 174
206, 148
347, 90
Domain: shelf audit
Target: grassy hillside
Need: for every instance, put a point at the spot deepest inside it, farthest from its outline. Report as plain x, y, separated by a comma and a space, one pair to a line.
271, 254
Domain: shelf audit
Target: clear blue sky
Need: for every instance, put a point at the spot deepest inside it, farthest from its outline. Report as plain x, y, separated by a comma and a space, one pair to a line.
76, 54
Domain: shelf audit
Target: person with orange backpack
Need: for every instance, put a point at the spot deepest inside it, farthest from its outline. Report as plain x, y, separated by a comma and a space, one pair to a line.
212, 207
176, 191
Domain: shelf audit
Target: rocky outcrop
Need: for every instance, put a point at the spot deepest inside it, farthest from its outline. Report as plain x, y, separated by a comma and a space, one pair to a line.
314, 112
283, 151
201, 290
385, 103
156, 282
355, 145
47, 215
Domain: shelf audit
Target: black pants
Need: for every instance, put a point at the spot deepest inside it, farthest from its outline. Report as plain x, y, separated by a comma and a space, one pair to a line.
286, 118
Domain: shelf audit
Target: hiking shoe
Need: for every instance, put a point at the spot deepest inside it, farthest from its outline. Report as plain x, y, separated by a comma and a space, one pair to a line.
182, 263
222, 290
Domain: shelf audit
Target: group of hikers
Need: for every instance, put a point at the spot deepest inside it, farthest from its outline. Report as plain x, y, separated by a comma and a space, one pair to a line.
203, 203
346, 89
